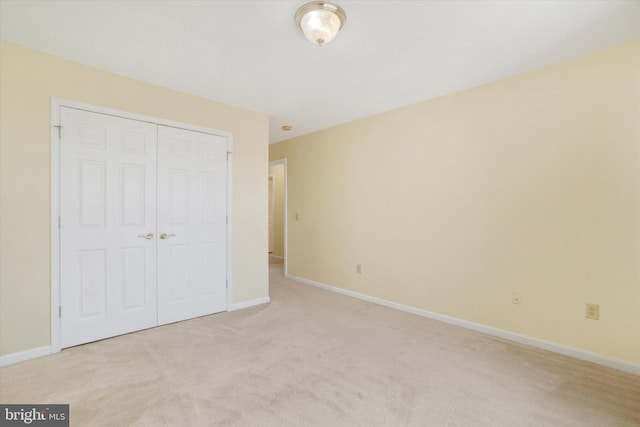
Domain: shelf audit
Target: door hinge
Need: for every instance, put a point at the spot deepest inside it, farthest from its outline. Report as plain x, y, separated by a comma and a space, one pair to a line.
60, 311
59, 222
227, 219
59, 130
227, 283
228, 153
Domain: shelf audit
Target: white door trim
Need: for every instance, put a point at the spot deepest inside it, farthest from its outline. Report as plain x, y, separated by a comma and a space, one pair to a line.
56, 105
286, 245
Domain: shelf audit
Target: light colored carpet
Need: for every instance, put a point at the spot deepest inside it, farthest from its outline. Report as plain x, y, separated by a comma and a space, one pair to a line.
274, 260
312, 357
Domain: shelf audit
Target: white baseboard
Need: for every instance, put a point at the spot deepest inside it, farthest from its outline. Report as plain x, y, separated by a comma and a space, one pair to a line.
21, 356
599, 359
247, 304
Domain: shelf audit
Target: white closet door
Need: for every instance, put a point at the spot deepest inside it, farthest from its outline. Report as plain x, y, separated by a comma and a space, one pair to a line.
108, 222
192, 171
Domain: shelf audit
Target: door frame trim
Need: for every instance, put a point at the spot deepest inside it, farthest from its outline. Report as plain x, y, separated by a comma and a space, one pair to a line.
56, 105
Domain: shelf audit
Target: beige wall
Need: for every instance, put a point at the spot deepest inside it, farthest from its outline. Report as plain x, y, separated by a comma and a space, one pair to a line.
28, 80
277, 171
530, 184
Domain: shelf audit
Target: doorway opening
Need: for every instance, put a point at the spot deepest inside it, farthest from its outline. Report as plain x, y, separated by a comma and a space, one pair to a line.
278, 212
272, 214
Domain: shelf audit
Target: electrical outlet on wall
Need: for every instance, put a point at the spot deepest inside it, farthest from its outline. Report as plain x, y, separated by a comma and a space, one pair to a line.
516, 298
593, 311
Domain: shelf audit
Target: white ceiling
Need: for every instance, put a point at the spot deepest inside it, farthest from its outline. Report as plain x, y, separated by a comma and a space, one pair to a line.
251, 54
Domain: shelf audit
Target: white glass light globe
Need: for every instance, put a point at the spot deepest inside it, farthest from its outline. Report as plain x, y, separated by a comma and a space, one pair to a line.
320, 26
320, 21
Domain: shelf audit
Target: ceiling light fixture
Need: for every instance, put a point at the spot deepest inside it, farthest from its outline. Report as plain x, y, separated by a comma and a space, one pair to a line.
320, 21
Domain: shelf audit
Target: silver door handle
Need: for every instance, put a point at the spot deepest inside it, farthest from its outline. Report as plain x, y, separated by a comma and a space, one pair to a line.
166, 236
147, 236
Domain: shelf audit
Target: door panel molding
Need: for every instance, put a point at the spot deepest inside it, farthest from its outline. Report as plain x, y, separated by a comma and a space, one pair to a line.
131, 143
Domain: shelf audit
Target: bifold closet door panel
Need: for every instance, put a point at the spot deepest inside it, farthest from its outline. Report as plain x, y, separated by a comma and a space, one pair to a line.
192, 198
108, 226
